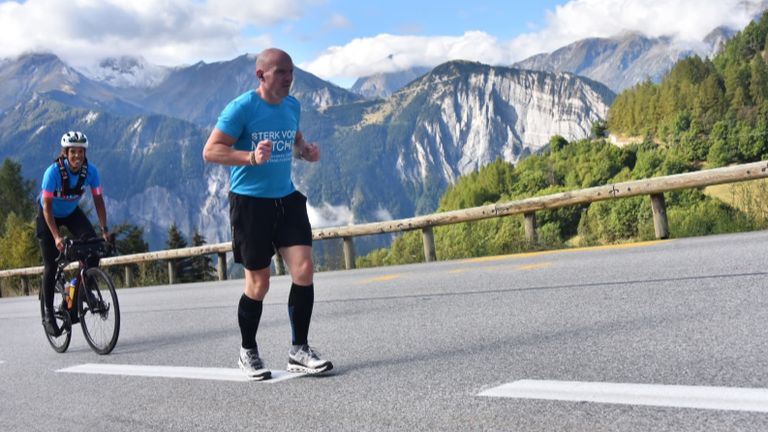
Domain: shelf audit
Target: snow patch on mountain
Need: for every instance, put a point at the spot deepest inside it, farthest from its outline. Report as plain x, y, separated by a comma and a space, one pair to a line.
91, 117
126, 72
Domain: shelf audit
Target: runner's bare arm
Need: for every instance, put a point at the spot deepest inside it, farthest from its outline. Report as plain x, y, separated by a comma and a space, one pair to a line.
304, 150
219, 149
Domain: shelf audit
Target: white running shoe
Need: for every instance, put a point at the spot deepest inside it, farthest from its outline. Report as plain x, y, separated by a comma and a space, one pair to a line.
307, 360
252, 365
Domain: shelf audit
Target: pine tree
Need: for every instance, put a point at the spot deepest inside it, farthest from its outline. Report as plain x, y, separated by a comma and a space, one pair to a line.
16, 194
709, 106
129, 239
182, 266
18, 246
202, 267
758, 82
721, 152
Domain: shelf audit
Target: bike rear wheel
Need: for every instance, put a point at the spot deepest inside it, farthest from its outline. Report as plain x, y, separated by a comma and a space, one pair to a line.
59, 343
99, 310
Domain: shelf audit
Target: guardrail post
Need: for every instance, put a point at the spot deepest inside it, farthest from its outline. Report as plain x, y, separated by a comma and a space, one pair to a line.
428, 239
128, 276
171, 273
349, 253
279, 264
25, 285
660, 223
221, 266
530, 228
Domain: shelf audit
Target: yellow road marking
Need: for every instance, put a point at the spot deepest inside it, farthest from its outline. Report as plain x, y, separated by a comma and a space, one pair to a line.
506, 267
381, 278
534, 254
535, 266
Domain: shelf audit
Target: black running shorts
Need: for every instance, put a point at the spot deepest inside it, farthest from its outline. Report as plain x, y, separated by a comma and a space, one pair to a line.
261, 225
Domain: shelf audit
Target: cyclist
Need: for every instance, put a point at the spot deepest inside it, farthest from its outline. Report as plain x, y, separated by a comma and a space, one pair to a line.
63, 186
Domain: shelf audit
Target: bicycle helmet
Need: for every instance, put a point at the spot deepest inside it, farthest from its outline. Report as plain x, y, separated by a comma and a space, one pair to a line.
74, 139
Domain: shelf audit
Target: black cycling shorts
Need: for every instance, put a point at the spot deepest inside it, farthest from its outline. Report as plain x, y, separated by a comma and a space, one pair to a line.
261, 225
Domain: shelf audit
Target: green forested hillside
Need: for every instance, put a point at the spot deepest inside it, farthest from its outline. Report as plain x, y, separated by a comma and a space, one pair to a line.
705, 113
568, 166
708, 110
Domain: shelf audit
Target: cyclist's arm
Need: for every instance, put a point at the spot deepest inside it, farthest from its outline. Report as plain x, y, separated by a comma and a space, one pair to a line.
51, 222
101, 212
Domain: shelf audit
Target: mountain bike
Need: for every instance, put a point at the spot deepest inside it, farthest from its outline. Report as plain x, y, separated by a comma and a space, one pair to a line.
89, 299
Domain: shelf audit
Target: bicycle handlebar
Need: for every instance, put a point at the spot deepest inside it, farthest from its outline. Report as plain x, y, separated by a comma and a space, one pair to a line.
82, 249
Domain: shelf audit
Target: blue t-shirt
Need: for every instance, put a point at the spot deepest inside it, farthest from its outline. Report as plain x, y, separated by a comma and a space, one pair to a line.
64, 205
250, 119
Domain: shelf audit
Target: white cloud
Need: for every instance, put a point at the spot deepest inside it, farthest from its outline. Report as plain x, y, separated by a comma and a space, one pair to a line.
174, 32
685, 20
169, 32
329, 216
383, 214
338, 21
389, 53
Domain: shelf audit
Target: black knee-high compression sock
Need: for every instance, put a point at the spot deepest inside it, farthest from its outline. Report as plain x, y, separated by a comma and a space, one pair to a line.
300, 302
248, 316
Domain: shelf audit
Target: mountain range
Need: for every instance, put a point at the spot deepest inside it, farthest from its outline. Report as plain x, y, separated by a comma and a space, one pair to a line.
620, 61
624, 60
382, 158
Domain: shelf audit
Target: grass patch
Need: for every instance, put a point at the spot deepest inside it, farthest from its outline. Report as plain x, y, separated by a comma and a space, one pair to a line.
750, 197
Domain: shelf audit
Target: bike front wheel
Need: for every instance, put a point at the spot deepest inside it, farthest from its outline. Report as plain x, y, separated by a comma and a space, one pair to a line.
99, 310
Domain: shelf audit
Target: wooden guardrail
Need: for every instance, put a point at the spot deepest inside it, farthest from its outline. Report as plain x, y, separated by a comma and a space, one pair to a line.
654, 187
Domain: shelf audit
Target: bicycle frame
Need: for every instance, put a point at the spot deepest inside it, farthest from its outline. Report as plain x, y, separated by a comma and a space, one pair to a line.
62, 263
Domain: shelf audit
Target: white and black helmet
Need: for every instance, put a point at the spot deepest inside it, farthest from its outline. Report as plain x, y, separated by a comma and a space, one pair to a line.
74, 139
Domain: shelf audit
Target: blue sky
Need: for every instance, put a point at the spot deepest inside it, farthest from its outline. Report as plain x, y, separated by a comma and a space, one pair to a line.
345, 20
340, 40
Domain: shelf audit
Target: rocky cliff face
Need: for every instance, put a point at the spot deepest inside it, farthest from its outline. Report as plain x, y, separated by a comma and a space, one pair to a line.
472, 114
444, 125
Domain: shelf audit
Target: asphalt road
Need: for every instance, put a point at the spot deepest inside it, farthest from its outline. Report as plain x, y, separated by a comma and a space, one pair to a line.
415, 346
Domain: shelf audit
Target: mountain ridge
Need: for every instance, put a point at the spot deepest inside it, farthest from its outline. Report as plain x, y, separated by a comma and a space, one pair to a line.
619, 62
380, 159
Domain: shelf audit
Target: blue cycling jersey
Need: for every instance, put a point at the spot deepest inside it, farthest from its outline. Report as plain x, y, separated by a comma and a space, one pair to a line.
51, 187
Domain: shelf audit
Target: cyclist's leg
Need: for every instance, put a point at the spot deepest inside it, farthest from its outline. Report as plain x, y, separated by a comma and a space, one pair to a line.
49, 252
80, 227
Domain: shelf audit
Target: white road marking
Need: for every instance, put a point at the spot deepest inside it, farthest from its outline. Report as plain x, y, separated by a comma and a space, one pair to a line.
719, 398
220, 374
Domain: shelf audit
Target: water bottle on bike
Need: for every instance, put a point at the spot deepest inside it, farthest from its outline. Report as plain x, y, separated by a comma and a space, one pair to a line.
70, 289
